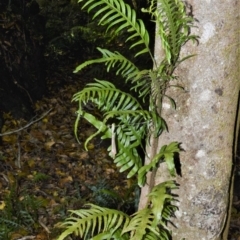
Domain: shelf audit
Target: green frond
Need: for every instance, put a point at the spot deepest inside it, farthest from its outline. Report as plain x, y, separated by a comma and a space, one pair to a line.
131, 121
93, 221
108, 99
166, 154
118, 14
141, 80
87, 63
140, 224
149, 223
13, 223
159, 197
173, 26
111, 235
124, 65
152, 236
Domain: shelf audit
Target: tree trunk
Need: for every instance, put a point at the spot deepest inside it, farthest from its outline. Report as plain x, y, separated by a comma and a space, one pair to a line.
204, 122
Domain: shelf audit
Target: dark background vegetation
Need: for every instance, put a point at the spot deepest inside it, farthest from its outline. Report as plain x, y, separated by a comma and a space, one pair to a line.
39, 39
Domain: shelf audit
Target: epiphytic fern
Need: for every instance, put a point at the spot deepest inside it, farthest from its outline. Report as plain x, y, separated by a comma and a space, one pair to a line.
118, 14
124, 118
130, 127
173, 26
125, 121
166, 154
102, 223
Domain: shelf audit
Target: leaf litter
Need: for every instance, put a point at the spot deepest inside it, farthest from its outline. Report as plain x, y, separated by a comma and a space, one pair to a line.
46, 162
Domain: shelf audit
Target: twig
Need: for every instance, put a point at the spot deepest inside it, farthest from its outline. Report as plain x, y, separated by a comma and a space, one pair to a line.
26, 237
44, 226
26, 126
18, 157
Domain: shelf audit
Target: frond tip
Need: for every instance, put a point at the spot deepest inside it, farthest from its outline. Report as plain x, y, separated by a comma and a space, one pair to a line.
118, 14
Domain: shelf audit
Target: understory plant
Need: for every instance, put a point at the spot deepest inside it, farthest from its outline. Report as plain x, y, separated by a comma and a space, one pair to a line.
19, 212
125, 119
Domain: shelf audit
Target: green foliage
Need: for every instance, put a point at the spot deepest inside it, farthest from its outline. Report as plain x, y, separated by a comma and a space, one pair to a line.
104, 196
126, 122
105, 223
128, 114
38, 176
94, 219
119, 13
20, 212
150, 222
172, 26
166, 154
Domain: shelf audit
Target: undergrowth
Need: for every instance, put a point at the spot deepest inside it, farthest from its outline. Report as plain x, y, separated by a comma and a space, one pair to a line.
19, 213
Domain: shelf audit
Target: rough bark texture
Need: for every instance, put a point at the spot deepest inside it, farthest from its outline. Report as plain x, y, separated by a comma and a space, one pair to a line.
204, 121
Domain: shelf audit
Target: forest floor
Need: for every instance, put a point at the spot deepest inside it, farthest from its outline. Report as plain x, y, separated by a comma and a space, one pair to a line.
45, 171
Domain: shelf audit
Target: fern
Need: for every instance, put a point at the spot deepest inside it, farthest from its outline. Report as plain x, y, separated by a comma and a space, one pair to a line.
19, 214
116, 12
104, 223
10, 223
141, 80
128, 113
4, 232
111, 59
126, 122
167, 154
173, 27
103, 195
93, 221
38, 177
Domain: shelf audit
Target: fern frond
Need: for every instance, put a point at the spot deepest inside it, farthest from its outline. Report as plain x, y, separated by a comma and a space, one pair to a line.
108, 99
152, 236
131, 119
178, 26
116, 13
87, 63
159, 198
173, 26
140, 223
166, 154
9, 223
124, 66
86, 221
149, 223
140, 80
111, 235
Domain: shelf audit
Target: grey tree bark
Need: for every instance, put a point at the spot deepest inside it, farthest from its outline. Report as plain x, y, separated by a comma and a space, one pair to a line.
204, 122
